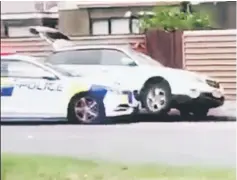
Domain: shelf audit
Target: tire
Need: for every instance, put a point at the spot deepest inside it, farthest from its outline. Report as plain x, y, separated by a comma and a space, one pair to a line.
163, 87
200, 112
83, 108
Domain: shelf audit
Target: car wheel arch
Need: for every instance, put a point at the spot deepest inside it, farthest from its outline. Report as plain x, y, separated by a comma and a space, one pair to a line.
74, 96
153, 80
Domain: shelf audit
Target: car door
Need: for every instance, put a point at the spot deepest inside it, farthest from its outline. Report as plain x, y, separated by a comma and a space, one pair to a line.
36, 91
7, 87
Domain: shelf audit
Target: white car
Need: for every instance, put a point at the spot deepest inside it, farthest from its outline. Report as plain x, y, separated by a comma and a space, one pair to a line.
159, 88
32, 91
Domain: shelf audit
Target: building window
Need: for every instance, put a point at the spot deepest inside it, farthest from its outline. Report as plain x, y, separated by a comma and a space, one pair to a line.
100, 27
16, 31
135, 26
109, 26
120, 26
20, 27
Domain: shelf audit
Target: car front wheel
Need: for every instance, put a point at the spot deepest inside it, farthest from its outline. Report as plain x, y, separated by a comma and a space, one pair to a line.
157, 97
86, 109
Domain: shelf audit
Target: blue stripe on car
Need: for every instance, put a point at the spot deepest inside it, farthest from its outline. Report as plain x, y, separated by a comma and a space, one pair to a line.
7, 91
98, 91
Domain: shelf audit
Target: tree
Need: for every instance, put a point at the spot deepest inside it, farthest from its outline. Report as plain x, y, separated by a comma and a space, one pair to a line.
170, 19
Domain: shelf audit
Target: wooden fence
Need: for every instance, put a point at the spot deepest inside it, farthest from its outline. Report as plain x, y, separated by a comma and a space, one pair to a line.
39, 48
212, 53
165, 47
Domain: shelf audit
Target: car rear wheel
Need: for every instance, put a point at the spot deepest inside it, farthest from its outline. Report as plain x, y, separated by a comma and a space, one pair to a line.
156, 98
86, 109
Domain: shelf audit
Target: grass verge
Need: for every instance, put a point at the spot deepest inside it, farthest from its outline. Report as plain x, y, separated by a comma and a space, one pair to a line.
30, 167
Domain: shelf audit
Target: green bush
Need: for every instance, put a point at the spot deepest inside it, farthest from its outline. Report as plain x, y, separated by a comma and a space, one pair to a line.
173, 19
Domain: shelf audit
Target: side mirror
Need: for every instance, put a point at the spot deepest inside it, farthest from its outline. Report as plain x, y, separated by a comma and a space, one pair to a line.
129, 62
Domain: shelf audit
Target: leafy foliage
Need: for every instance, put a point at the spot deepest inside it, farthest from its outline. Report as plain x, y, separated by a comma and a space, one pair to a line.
173, 19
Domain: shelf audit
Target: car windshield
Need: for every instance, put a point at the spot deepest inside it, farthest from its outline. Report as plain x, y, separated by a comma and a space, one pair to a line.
59, 70
144, 59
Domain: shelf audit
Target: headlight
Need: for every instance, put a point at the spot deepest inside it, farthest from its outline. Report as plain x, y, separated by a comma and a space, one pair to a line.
213, 83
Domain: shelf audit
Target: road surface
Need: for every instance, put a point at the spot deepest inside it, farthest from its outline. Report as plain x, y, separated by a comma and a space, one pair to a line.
175, 143
170, 140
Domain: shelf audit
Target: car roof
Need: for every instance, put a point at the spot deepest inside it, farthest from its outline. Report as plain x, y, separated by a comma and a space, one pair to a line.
19, 57
78, 47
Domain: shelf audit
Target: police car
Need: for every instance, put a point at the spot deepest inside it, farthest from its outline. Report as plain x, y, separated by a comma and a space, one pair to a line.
32, 91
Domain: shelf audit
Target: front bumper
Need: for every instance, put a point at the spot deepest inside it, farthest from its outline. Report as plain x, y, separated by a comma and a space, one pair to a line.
205, 99
120, 104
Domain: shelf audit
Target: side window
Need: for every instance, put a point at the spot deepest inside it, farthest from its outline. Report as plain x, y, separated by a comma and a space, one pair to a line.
16, 68
112, 57
78, 57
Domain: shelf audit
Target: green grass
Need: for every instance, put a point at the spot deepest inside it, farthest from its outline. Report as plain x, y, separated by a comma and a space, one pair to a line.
24, 167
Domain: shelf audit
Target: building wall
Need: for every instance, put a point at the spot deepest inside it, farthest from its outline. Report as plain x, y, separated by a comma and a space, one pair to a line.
80, 21
115, 12
74, 22
231, 22
223, 15
17, 7
16, 17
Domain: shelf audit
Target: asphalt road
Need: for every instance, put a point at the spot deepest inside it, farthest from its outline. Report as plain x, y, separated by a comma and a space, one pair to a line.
172, 142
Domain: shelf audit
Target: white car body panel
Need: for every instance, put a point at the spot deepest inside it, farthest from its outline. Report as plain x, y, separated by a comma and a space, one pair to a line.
139, 75
32, 97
